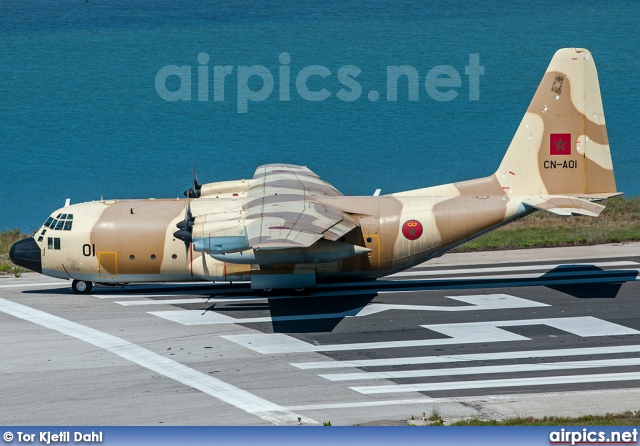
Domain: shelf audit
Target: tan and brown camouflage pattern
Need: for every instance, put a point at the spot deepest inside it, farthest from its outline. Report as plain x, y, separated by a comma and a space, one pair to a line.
286, 206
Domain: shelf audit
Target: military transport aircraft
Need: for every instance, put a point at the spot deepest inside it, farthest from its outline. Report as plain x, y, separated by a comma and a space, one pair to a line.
286, 228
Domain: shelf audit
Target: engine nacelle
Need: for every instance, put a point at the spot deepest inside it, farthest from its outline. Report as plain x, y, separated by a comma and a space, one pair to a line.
225, 189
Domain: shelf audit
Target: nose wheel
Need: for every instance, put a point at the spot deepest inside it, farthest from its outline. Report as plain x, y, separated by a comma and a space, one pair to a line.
81, 287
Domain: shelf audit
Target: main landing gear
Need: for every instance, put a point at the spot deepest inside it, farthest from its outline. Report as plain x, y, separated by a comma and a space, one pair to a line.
81, 287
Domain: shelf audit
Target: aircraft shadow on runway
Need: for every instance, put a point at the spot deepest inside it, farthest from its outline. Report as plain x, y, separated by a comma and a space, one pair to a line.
323, 308
590, 281
300, 314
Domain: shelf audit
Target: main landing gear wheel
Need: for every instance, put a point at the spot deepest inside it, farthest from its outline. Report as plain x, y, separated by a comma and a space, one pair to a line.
81, 287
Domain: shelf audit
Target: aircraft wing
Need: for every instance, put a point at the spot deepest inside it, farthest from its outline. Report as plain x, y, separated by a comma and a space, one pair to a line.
282, 211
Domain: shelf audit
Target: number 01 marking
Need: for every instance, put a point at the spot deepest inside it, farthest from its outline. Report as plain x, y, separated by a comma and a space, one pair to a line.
89, 250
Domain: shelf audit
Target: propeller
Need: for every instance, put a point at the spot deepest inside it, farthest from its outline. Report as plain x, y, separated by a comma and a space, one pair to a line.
185, 227
194, 191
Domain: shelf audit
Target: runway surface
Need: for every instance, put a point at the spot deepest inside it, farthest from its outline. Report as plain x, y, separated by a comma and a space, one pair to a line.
494, 335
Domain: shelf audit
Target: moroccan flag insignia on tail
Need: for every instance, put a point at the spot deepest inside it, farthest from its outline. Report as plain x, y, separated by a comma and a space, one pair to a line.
560, 144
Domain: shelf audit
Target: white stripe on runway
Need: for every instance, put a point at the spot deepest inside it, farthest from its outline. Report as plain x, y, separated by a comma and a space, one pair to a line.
36, 284
497, 383
475, 303
511, 368
199, 300
128, 296
468, 357
461, 333
504, 269
365, 404
146, 358
200, 317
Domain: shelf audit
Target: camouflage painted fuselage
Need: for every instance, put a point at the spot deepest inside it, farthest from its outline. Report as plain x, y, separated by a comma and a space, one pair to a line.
286, 223
132, 240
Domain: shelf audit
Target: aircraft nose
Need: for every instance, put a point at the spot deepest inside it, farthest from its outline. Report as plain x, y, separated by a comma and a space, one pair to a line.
26, 253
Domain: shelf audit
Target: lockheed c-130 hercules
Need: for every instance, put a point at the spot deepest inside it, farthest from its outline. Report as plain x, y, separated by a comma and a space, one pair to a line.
286, 228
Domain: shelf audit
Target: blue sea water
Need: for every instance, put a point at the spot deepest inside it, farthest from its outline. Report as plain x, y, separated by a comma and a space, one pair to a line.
80, 115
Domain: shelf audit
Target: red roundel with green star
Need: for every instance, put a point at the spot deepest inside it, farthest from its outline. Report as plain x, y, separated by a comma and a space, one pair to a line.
412, 229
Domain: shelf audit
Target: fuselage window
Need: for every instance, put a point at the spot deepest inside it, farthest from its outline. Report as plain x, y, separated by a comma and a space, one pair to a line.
50, 242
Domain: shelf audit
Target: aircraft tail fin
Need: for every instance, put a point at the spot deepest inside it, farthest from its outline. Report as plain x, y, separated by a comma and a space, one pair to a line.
561, 146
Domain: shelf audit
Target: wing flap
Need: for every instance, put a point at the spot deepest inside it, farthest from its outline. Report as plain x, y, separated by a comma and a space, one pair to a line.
282, 211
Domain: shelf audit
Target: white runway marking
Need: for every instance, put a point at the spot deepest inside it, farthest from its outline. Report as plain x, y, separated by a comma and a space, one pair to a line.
511, 368
473, 399
468, 357
583, 326
364, 404
497, 383
127, 296
202, 317
463, 333
37, 284
476, 302
146, 358
505, 269
198, 317
198, 300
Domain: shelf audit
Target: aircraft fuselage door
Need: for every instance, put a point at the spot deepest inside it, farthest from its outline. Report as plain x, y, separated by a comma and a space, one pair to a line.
108, 265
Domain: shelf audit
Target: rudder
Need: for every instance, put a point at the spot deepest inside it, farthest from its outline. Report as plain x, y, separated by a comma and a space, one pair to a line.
561, 146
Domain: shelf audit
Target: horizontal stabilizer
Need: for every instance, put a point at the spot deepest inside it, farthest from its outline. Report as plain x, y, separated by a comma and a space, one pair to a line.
564, 205
599, 197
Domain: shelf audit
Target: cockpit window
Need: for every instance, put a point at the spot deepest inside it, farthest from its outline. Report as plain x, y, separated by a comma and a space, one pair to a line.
48, 222
62, 222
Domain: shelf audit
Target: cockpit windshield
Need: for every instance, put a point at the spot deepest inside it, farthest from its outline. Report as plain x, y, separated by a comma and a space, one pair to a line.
62, 222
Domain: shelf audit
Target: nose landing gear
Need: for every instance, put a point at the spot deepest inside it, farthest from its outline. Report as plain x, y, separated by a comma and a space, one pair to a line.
81, 287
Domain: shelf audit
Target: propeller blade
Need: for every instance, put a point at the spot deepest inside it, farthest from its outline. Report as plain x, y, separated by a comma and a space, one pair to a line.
194, 191
183, 235
185, 227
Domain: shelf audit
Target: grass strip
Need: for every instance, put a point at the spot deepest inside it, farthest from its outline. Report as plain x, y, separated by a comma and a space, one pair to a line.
628, 418
618, 223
